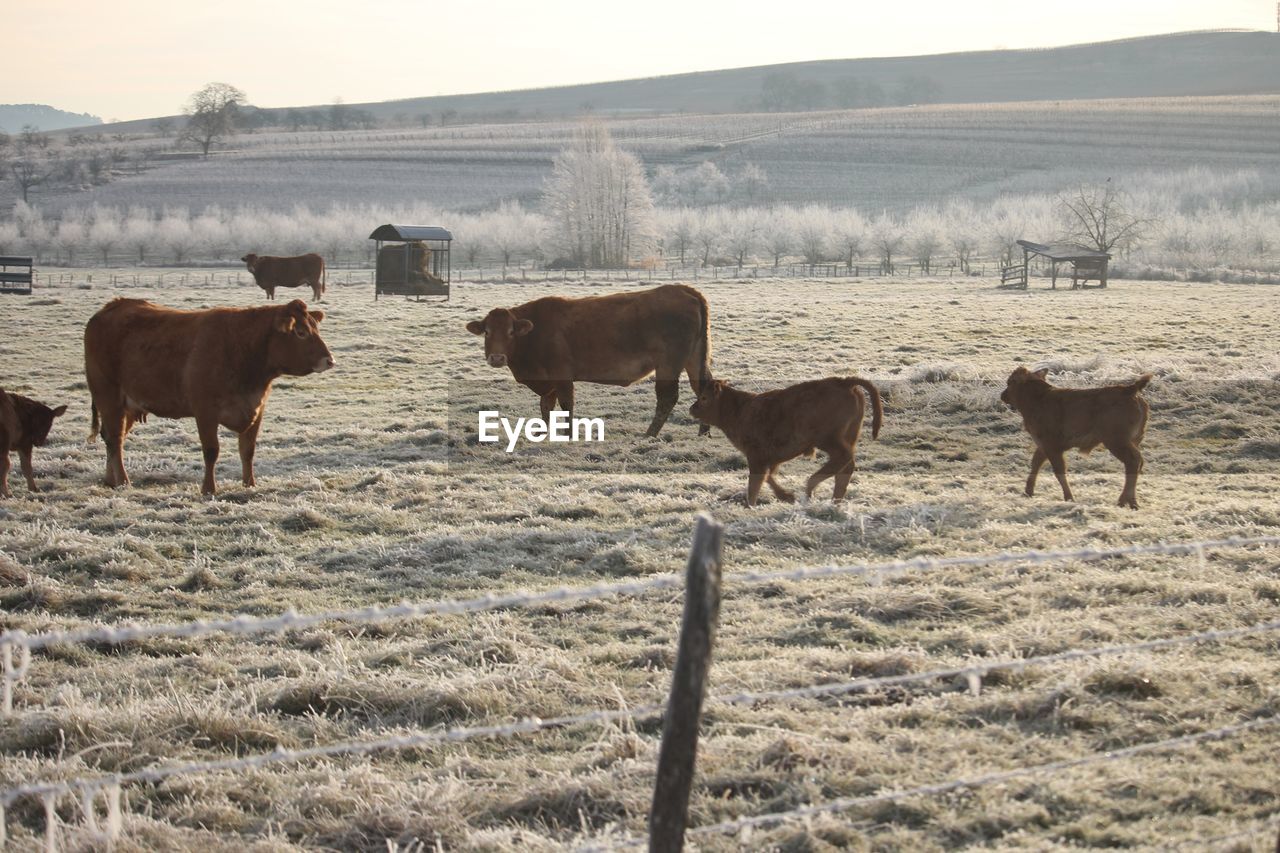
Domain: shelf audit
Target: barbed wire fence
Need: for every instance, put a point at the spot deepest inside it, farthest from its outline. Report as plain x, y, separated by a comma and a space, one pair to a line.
17, 647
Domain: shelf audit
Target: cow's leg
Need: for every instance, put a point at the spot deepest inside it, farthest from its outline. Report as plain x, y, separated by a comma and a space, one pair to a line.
782, 494
668, 395
546, 403
1060, 471
698, 368
207, 426
4, 464
843, 476
316, 292
1131, 456
1037, 462
756, 473
248, 444
114, 426
24, 457
564, 395
838, 456
271, 293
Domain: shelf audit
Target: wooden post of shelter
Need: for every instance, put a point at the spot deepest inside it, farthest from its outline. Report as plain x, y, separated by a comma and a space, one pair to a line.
669, 814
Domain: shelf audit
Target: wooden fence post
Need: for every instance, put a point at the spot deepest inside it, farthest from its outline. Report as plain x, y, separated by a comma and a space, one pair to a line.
674, 781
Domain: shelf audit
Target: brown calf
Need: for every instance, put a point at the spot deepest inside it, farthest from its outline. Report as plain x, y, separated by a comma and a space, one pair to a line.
1062, 418
776, 426
24, 424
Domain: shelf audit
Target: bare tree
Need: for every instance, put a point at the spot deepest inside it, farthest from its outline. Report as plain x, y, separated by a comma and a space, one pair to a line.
1101, 217
599, 201
887, 236
211, 115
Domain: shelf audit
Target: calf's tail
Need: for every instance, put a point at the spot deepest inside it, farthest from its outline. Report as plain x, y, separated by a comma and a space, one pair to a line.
877, 408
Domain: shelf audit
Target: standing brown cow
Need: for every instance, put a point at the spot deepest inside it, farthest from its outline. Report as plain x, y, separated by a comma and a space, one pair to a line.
24, 424
216, 366
618, 339
271, 272
776, 426
1059, 419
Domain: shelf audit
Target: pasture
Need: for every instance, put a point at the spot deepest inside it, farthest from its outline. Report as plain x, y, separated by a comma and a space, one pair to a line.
372, 491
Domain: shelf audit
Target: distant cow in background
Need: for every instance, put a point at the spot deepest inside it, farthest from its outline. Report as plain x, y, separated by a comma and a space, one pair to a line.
618, 339
271, 272
24, 424
1059, 419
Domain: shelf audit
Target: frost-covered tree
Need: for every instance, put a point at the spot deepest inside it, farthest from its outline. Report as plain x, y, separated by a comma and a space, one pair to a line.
848, 235
960, 224
813, 233
779, 236
104, 235
742, 234
887, 237
924, 229
598, 201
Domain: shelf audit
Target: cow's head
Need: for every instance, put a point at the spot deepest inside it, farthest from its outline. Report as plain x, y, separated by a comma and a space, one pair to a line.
296, 348
500, 328
250, 260
36, 418
1019, 382
707, 407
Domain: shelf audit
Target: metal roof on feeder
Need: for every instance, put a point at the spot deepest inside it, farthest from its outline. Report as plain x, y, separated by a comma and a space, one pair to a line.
410, 232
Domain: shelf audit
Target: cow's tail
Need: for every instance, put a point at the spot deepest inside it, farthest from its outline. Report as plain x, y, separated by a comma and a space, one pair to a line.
324, 277
702, 345
94, 423
1138, 384
877, 408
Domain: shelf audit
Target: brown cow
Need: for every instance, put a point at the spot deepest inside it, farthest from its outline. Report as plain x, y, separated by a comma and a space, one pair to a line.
24, 424
216, 366
271, 272
777, 426
619, 339
1061, 418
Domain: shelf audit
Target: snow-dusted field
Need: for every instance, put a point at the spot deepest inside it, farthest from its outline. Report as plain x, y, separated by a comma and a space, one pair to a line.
370, 491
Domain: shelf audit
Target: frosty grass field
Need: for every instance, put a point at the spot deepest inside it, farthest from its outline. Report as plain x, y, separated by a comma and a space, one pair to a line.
370, 492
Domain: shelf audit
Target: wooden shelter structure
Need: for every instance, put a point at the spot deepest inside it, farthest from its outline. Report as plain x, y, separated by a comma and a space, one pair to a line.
1085, 263
412, 260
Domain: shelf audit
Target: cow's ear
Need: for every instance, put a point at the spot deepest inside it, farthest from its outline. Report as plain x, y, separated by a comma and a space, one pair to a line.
475, 327
1041, 373
285, 323
60, 411
521, 327
318, 316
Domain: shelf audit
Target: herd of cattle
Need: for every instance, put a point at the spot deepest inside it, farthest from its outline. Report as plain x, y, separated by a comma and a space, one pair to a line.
217, 366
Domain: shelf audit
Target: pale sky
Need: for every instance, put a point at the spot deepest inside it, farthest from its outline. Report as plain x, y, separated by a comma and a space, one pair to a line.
130, 59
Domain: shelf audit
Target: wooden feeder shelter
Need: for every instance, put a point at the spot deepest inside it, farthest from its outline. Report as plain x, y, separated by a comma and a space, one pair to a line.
1085, 263
412, 260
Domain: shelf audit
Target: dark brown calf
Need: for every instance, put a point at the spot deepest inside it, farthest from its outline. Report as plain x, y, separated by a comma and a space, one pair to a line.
1059, 419
777, 426
24, 424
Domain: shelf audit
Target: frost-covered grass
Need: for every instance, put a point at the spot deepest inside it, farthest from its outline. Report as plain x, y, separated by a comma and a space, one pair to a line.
371, 492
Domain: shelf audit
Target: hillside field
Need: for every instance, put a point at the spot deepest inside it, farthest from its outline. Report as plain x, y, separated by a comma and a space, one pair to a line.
892, 159
373, 491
